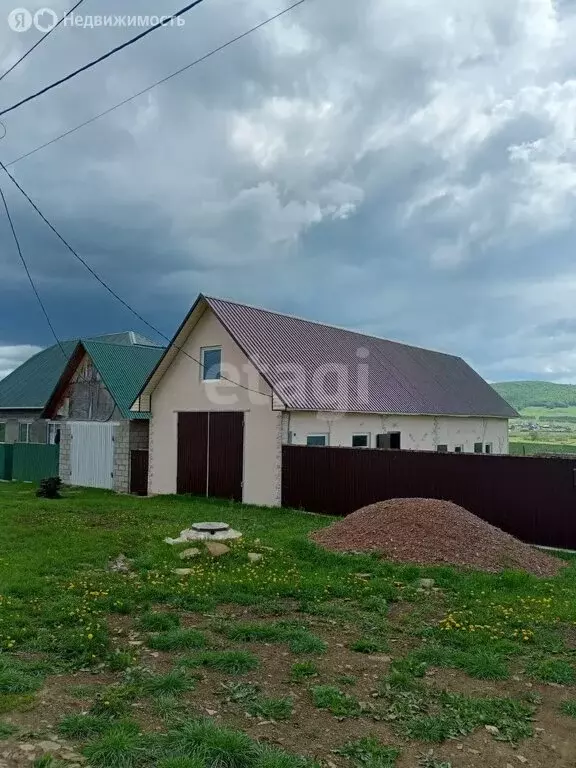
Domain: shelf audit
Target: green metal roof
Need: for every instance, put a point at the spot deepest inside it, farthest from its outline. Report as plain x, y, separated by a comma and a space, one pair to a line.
124, 369
32, 383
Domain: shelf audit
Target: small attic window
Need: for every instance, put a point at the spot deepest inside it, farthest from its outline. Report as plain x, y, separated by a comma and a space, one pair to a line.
211, 358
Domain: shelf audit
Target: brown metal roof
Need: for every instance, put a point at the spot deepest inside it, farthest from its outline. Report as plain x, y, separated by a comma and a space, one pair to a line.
401, 379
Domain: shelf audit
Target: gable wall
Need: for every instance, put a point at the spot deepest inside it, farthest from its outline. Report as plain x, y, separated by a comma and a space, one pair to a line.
86, 397
181, 389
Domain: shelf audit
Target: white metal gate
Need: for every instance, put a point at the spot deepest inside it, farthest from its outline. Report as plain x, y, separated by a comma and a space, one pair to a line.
92, 454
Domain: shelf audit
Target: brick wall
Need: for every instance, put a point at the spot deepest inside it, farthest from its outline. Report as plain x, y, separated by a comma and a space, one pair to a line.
122, 458
280, 429
65, 466
139, 433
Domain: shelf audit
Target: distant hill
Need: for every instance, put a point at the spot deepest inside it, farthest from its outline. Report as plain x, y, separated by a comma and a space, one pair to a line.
537, 394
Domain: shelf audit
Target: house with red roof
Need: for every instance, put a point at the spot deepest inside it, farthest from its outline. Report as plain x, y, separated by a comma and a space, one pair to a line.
237, 382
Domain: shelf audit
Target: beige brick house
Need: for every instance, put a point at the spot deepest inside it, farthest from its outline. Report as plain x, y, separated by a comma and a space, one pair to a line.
237, 382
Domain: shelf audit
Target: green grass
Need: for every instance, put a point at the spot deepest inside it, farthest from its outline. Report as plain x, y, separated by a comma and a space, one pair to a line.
177, 640
477, 663
434, 715
241, 692
520, 447
231, 662
269, 708
335, 701
217, 746
113, 701
197, 761
82, 727
568, 708
303, 670
154, 621
7, 730
16, 702
369, 753
120, 747
48, 761
369, 645
553, 671
57, 598
172, 683
119, 661
298, 638
271, 757
16, 677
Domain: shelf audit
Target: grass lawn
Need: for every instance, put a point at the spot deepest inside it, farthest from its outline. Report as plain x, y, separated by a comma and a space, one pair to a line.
303, 658
529, 447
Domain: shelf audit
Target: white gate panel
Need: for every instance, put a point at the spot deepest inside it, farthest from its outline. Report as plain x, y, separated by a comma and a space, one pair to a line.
92, 454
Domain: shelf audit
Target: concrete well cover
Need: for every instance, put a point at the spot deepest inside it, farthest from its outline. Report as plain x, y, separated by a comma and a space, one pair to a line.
210, 527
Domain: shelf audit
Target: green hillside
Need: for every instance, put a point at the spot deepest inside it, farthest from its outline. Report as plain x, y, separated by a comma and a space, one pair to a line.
537, 394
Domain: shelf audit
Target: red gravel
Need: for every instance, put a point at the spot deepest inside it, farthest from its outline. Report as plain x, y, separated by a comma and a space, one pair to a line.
432, 532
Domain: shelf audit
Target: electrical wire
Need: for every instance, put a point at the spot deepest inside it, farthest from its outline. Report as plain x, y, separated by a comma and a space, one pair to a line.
157, 83
38, 42
111, 291
30, 279
102, 58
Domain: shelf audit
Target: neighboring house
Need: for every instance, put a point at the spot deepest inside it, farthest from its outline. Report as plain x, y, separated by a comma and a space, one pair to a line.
25, 392
90, 409
236, 382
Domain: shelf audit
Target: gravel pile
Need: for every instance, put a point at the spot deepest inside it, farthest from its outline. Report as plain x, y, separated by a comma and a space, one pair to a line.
433, 532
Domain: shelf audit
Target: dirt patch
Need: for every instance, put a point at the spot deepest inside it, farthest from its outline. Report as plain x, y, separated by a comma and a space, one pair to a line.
433, 532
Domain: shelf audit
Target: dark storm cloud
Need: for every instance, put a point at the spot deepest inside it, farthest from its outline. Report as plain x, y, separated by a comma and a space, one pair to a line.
405, 168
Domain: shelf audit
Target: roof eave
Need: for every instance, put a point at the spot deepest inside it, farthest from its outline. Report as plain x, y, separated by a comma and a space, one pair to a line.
50, 409
402, 414
21, 407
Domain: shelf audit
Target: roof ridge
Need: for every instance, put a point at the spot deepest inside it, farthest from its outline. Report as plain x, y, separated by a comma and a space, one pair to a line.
329, 325
123, 346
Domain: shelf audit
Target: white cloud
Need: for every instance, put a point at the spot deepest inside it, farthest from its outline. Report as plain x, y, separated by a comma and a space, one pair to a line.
13, 356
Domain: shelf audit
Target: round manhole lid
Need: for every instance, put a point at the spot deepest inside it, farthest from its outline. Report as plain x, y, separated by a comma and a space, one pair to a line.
210, 527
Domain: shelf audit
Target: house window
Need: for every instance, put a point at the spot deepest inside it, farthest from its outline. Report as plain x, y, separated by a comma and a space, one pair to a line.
361, 441
24, 432
53, 434
394, 440
211, 358
2, 432
458, 449
488, 448
317, 440
442, 448
478, 448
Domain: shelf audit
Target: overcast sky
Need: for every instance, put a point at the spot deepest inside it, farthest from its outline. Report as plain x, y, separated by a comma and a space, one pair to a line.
403, 167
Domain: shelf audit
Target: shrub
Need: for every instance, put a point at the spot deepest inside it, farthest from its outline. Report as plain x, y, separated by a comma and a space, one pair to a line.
50, 488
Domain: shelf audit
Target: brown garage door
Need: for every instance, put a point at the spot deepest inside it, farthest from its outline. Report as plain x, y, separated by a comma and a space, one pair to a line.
211, 454
192, 474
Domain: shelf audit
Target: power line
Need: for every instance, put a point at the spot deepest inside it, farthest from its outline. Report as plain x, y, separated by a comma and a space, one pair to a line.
105, 56
158, 82
38, 42
111, 291
23, 260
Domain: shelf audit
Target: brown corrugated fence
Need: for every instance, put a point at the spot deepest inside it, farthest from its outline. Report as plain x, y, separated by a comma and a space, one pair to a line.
532, 498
